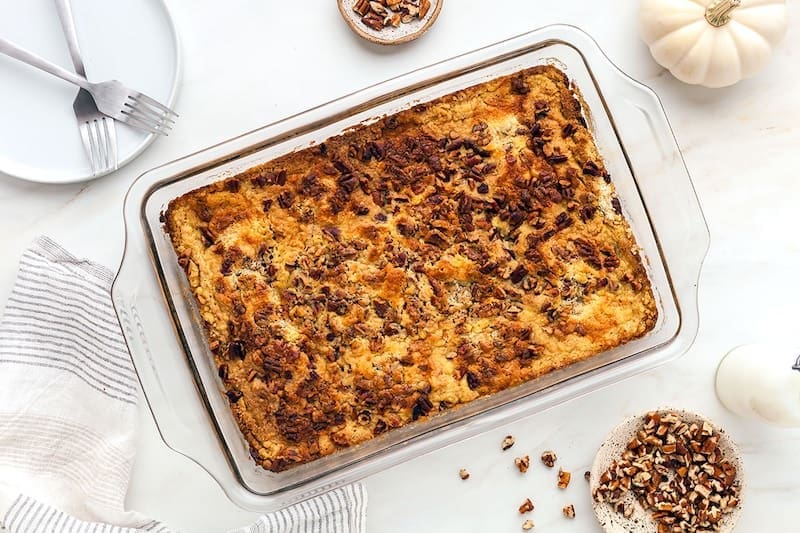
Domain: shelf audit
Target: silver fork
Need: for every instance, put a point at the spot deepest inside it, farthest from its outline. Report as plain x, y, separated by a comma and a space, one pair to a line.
98, 131
113, 99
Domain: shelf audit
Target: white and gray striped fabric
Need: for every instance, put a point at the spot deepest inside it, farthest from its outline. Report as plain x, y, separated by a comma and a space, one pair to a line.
342, 510
68, 401
31, 516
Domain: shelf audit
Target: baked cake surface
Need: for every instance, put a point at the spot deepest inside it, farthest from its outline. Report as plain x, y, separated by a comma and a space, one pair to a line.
408, 266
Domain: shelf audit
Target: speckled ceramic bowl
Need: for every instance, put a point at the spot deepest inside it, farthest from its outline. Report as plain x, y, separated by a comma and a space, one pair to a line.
389, 35
641, 520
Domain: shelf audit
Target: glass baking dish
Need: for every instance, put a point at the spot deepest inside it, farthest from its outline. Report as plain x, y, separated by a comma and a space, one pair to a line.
167, 342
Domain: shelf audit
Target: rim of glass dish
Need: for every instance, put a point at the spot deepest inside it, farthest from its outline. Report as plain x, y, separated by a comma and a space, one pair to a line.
185, 168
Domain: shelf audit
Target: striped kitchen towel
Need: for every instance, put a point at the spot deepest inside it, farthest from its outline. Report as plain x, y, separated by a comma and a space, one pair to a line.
68, 401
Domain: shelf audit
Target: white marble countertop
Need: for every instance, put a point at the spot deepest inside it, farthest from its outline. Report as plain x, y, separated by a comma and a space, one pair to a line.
740, 145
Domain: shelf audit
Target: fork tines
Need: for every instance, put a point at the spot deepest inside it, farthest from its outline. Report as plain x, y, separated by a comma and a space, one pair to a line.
148, 114
100, 140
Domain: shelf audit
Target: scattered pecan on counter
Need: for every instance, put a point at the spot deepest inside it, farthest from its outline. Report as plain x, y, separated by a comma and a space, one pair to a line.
549, 459
563, 478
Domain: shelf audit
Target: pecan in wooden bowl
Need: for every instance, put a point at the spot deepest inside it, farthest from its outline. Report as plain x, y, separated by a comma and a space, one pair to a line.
390, 21
667, 471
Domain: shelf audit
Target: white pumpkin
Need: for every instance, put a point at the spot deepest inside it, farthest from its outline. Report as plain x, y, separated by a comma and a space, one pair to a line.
712, 43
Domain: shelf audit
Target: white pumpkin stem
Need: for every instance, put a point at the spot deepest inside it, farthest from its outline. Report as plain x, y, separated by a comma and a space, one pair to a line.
718, 12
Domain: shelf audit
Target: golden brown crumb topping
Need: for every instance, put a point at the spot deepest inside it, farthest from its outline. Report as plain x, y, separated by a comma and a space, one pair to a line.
409, 266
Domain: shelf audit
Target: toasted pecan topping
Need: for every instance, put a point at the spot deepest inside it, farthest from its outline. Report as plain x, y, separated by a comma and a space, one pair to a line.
234, 395
409, 266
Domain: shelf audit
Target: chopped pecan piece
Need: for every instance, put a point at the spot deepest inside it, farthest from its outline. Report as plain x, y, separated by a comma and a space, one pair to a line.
526, 507
518, 274
569, 511
422, 407
374, 21
541, 108
507, 443
236, 350
590, 168
523, 463
549, 459
424, 7
563, 478
587, 212
519, 86
488, 268
333, 233
557, 158
285, 199
381, 307
361, 7
234, 395
611, 262
463, 474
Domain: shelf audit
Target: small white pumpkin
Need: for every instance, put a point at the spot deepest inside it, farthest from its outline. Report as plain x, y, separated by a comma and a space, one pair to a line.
714, 43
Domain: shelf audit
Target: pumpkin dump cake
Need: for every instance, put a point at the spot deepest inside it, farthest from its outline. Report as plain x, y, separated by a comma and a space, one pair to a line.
411, 265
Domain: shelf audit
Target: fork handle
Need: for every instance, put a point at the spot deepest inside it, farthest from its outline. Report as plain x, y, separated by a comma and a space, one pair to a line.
10, 49
68, 25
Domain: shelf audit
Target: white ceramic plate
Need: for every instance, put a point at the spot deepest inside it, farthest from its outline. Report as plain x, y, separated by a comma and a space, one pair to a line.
133, 41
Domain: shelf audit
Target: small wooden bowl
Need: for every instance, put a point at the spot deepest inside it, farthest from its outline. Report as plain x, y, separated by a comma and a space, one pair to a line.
390, 35
641, 520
